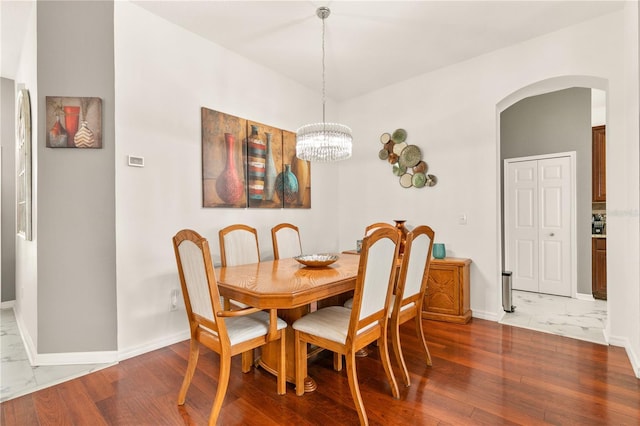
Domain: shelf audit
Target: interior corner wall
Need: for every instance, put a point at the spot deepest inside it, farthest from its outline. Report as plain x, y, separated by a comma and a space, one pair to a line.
76, 187
556, 122
8, 206
164, 76
452, 115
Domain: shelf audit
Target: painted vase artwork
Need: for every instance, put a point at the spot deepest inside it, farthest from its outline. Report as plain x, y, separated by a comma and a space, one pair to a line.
229, 185
287, 185
71, 115
257, 159
58, 135
270, 172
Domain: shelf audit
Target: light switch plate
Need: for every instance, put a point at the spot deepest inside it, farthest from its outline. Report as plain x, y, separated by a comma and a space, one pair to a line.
135, 161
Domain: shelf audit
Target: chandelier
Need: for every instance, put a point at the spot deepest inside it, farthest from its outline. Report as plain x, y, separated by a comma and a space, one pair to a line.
323, 142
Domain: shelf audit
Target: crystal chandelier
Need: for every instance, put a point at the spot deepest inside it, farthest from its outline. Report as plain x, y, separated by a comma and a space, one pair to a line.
323, 142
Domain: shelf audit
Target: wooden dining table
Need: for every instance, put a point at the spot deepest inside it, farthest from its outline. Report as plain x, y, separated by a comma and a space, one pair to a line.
290, 287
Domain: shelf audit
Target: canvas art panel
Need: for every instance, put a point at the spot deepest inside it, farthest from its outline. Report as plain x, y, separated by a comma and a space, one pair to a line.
74, 122
300, 169
224, 176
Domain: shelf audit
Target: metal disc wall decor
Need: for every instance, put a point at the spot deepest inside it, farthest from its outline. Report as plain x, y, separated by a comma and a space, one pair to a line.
406, 160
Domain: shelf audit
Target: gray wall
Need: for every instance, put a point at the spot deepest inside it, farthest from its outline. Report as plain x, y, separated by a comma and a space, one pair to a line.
8, 201
76, 187
556, 122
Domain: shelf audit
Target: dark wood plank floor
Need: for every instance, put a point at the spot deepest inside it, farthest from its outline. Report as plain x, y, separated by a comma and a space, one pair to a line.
483, 373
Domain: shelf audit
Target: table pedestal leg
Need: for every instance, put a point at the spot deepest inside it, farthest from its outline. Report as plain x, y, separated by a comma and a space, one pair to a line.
269, 358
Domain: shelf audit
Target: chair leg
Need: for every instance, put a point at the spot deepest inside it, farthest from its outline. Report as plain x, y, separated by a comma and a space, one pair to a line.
247, 361
282, 365
397, 350
301, 363
337, 361
355, 388
223, 383
386, 363
420, 332
194, 351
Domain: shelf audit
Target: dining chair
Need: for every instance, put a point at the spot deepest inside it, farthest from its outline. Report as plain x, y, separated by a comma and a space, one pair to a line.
239, 246
226, 332
406, 303
285, 238
345, 331
367, 231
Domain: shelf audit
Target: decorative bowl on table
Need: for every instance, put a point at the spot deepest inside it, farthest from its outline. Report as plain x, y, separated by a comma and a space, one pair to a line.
316, 260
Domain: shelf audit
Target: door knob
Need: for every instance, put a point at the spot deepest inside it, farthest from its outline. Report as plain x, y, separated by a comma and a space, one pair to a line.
551, 234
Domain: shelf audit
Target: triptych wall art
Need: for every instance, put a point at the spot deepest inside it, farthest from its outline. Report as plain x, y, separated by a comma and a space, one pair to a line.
249, 164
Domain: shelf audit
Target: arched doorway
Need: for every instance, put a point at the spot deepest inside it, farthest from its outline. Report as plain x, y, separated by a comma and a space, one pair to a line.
552, 103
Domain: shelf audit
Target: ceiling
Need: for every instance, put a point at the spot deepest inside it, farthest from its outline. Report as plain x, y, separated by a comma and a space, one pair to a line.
369, 44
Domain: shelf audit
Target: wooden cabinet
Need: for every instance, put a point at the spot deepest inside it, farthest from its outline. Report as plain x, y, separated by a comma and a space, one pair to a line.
599, 164
599, 268
447, 296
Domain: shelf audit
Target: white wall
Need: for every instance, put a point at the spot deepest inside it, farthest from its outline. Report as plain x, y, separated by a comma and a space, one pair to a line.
452, 115
162, 81
26, 306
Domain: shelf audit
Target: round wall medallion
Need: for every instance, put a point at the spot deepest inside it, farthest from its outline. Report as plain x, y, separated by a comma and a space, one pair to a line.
406, 160
400, 135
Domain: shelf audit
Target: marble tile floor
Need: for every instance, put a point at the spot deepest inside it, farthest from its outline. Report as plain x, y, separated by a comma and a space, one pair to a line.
17, 376
564, 316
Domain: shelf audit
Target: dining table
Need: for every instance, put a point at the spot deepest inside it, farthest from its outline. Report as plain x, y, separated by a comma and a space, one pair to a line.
290, 287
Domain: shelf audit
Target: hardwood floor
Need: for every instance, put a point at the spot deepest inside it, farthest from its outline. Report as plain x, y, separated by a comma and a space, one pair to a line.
483, 373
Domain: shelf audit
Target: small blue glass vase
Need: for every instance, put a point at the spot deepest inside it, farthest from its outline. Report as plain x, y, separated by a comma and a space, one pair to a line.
439, 251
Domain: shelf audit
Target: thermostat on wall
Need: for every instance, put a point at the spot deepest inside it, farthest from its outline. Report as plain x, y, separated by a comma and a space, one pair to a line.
135, 161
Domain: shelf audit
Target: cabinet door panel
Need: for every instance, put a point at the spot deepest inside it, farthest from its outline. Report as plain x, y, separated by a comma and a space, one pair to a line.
443, 290
599, 268
599, 164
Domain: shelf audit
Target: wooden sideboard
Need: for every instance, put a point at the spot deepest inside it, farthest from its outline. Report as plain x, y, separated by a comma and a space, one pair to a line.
447, 297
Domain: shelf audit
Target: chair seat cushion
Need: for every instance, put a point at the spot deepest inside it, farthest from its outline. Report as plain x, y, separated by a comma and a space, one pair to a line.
330, 323
247, 327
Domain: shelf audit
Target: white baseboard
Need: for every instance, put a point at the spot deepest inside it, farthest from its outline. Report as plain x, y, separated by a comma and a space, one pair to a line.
29, 346
9, 304
153, 345
489, 316
631, 354
66, 358
585, 296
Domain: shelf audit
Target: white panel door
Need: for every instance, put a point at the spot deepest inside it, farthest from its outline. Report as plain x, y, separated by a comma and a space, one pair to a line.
554, 183
522, 207
538, 225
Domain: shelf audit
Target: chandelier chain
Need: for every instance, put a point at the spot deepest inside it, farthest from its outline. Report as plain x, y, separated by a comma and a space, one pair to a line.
323, 74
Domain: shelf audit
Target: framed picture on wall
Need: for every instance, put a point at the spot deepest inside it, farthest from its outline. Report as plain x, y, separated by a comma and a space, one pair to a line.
74, 122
